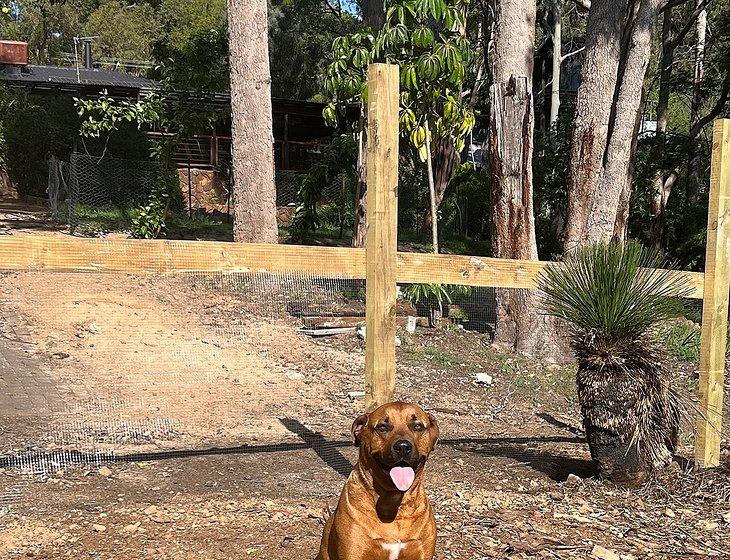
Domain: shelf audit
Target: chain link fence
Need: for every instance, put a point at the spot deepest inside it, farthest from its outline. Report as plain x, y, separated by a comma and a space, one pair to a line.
106, 189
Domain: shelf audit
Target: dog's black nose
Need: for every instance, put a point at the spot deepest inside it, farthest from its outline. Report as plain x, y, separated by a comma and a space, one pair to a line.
402, 447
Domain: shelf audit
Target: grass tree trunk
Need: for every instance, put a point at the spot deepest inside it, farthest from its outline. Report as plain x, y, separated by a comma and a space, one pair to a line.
519, 325
254, 190
617, 52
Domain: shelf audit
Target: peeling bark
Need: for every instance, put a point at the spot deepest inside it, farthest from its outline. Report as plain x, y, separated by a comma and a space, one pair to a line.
618, 48
520, 327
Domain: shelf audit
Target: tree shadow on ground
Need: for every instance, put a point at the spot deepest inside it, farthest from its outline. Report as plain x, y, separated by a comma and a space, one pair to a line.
557, 467
521, 449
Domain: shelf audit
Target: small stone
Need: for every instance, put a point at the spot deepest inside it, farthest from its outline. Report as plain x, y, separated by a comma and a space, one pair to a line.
105, 471
352, 395
98, 528
93, 328
604, 553
151, 510
294, 375
484, 378
726, 517
132, 528
573, 480
709, 525
669, 513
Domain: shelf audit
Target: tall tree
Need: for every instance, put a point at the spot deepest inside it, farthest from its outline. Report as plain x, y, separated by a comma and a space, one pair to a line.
254, 190
519, 326
665, 175
373, 16
617, 51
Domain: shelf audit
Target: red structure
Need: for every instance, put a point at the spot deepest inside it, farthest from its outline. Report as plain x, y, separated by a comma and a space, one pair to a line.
14, 53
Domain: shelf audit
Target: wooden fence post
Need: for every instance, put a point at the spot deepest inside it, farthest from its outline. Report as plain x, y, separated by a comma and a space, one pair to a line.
382, 234
715, 302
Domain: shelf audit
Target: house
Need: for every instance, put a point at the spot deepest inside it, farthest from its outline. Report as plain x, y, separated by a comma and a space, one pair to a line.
299, 130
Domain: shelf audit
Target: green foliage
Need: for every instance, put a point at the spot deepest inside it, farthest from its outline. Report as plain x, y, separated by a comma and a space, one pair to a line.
31, 128
466, 207
48, 26
300, 35
104, 115
550, 168
439, 293
424, 38
192, 50
122, 30
150, 220
336, 164
612, 294
682, 340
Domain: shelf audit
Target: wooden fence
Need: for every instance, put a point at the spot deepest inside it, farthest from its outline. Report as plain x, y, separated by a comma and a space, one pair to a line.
382, 266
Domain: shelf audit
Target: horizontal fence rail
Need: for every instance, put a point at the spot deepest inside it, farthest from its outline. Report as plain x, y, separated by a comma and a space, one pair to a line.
138, 256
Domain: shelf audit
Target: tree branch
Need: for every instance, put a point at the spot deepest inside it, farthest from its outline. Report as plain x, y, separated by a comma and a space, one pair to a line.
677, 39
716, 109
583, 4
669, 4
562, 58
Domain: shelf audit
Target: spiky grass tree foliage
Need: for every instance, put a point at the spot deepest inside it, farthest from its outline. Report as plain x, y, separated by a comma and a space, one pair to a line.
612, 296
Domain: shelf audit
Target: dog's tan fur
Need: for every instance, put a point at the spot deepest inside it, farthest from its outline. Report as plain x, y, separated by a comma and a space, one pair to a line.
374, 520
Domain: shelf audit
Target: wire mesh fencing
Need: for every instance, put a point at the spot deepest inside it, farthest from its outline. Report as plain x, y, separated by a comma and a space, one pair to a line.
168, 411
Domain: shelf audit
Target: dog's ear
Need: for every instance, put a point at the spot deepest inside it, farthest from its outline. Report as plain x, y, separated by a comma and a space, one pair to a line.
357, 427
434, 429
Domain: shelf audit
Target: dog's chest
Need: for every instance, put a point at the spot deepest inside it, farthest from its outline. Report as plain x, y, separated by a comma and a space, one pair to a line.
399, 550
393, 549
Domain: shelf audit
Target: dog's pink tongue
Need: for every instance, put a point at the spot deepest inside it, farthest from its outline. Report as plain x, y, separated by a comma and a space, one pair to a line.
402, 477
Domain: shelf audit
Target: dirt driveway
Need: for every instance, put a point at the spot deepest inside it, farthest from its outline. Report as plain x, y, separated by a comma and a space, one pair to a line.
215, 429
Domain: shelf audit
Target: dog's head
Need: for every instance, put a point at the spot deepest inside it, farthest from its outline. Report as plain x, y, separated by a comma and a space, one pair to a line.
395, 441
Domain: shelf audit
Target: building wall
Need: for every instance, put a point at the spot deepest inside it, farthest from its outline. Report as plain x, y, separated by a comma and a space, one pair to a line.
207, 189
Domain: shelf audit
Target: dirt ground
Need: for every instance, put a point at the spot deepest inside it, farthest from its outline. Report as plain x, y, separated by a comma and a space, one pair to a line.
221, 431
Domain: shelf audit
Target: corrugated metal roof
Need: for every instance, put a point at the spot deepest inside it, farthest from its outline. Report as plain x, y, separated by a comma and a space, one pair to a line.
68, 75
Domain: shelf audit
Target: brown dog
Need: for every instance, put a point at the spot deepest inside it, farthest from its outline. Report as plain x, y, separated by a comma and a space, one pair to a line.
383, 512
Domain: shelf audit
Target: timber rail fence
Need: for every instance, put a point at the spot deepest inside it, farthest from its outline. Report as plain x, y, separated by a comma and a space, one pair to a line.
381, 266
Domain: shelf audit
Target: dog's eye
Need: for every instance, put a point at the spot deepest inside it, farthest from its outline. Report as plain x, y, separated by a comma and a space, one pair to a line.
418, 426
383, 428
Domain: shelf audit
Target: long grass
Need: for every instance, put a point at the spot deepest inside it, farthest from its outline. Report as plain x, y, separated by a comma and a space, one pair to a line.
613, 292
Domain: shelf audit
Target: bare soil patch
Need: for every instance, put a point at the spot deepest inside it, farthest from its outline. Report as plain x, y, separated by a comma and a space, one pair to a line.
231, 430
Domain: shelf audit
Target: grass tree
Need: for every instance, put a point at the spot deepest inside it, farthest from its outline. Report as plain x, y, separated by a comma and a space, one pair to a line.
612, 296
425, 38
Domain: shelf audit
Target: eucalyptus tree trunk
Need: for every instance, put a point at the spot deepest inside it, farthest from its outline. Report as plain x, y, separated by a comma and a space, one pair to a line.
373, 16
699, 73
511, 129
617, 52
557, 61
662, 179
254, 189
